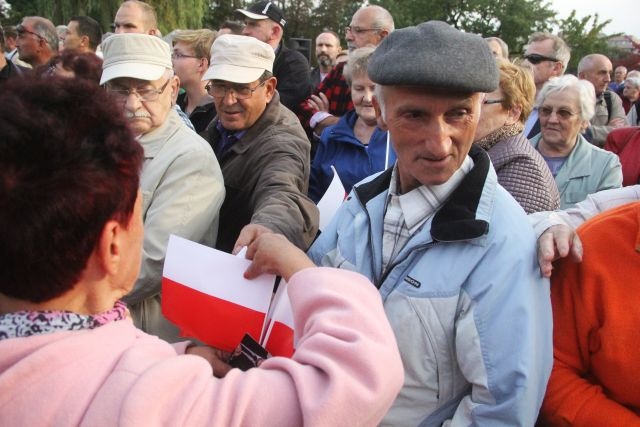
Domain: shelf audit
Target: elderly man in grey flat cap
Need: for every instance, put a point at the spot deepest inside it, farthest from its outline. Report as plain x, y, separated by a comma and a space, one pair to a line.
450, 250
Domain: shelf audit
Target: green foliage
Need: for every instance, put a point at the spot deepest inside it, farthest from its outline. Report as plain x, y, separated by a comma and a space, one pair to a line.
584, 38
219, 11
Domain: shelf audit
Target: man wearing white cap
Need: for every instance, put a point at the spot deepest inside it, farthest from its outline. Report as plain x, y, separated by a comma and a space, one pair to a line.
261, 147
181, 182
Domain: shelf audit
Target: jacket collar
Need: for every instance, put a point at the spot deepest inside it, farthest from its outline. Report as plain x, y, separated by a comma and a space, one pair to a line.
153, 141
465, 215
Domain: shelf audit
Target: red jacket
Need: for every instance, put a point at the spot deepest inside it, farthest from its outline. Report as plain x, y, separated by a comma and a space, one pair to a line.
625, 142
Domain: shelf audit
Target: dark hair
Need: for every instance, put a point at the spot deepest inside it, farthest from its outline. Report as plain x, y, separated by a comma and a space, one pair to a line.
68, 164
1, 40
236, 27
89, 27
84, 65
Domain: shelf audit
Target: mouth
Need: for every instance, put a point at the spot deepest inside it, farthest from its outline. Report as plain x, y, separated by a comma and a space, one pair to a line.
134, 116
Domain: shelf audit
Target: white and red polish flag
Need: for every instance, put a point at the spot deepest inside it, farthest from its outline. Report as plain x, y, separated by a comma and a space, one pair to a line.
206, 295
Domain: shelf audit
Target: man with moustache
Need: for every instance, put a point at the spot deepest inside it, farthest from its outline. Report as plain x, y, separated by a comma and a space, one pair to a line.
327, 49
181, 182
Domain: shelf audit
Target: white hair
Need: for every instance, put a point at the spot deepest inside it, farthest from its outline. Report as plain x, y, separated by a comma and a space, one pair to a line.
586, 93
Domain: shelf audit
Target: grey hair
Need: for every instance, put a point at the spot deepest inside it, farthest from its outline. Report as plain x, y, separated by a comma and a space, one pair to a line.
45, 29
561, 50
503, 46
357, 63
382, 18
586, 93
635, 81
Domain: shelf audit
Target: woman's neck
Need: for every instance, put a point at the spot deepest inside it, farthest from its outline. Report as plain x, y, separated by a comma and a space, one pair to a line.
196, 96
555, 150
363, 131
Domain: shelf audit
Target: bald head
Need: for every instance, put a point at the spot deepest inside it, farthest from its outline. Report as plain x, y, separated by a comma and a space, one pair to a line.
135, 16
369, 26
597, 69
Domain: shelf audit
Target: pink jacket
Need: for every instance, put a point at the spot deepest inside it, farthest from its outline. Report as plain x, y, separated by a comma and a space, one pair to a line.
346, 370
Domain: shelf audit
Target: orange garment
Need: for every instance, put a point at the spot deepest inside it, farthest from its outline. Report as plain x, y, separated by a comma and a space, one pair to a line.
596, 311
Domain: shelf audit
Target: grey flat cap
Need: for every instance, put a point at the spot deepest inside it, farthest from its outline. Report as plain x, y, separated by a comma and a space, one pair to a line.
437, 55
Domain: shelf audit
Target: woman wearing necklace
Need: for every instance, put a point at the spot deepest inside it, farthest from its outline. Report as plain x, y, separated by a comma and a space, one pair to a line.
71, 241
520, 168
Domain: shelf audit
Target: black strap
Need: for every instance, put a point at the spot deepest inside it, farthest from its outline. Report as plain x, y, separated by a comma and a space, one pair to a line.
607, 100
637, 104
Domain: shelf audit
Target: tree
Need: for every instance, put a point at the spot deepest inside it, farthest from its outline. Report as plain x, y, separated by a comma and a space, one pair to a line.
584, 38
332, 15
511, 20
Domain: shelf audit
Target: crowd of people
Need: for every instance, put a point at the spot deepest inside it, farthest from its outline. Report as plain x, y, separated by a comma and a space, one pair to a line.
455, 285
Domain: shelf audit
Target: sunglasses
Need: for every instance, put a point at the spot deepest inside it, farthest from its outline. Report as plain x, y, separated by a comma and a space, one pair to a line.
535, 59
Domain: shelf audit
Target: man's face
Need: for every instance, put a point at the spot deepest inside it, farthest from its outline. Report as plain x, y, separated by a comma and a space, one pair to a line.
362, 32
327, 48
240, 114
599, 73
28, 43
431, 131
130, 19
144, 116
261, 29
495, 47
545, 69
71, 38
619, 74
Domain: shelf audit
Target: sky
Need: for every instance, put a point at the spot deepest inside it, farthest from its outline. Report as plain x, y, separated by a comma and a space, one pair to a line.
624, 14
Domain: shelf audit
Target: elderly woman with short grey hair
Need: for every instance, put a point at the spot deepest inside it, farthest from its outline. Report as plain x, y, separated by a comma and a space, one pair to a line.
565, 106
630, 97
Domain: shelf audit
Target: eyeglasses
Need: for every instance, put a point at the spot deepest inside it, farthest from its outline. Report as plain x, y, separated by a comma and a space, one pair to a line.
561, 113
358, 30
239, 92
492, 101
178, 55
144, 95
535, 59
21, 31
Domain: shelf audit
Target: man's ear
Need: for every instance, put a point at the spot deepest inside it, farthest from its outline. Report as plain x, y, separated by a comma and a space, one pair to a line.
84, 41
276, 32
376, 106
175, 88
270, 87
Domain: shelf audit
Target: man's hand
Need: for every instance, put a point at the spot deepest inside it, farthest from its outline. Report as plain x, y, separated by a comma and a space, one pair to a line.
618, 122
217, 358
319, 102
557, 242
248, 234
273, 253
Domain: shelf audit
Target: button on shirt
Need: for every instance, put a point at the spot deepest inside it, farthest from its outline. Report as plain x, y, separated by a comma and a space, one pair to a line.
406, 213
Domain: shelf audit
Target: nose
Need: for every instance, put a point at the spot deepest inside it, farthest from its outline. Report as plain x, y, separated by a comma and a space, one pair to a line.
367, 95
132, 103
229, 97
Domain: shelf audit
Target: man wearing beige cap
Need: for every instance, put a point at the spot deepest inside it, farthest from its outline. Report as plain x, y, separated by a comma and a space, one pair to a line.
450, 250
181, 182
261, 147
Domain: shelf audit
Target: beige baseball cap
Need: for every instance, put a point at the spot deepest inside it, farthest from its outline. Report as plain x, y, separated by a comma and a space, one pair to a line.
239, 59
138, 56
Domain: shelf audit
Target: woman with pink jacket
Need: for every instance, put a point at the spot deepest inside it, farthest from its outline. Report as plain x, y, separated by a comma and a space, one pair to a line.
71, 240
